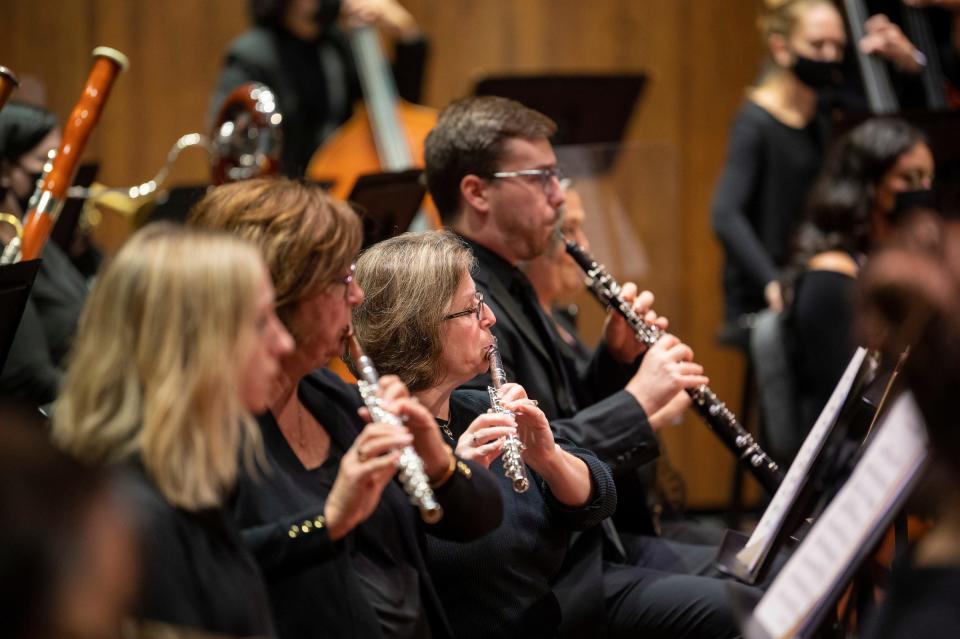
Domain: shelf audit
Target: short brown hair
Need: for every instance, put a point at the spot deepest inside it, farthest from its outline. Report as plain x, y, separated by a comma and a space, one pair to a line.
307, 238
408, 281
468, 140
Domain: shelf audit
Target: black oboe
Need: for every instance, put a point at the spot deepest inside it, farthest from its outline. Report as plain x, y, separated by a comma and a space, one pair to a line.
718, 417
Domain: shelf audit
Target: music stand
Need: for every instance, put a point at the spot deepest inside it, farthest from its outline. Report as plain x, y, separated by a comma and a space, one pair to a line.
16, 280
814, 465
65, 228
815, 577
387, 203
588, 109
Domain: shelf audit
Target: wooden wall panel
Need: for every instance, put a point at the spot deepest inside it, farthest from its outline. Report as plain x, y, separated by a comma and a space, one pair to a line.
699, 55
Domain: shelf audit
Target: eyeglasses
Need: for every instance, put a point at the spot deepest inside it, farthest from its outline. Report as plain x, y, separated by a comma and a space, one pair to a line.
347, 280
476, 310
547, 177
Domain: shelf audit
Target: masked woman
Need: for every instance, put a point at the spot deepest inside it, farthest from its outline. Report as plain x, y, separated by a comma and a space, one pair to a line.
774, 155
178, 344
853, 208
342, 549
423, 320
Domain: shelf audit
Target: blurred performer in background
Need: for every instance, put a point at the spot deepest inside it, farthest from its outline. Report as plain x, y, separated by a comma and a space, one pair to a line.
178, 344
852, 209
35, 366
775, 152
299, 49
68, 564
423, 319
910, 300
343, 551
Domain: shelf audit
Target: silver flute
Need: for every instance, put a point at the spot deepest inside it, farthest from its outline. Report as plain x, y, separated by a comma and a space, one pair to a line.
412, 475
714, 412
513, 466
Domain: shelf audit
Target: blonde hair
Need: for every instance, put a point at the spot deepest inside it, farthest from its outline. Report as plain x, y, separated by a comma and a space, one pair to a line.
781, 16
306, 237
152, 370
407, 282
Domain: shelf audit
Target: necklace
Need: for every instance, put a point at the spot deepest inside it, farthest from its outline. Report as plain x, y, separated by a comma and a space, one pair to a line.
446, 429
301, 438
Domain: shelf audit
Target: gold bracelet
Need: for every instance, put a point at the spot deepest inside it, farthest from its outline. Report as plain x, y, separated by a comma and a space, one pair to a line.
13, 221
448, 473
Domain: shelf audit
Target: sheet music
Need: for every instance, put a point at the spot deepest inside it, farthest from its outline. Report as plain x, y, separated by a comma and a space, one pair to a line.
886, 469
765, 533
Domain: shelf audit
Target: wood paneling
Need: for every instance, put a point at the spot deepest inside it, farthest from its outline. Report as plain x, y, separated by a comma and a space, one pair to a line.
699, 55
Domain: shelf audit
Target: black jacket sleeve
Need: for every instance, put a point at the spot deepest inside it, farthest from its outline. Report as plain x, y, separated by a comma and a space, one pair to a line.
604, 493
299, 538
471, 501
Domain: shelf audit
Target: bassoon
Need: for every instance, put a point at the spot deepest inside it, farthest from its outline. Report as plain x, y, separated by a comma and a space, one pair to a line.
52, 190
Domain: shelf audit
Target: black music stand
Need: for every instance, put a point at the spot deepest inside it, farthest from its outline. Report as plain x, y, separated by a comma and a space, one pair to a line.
16, 280
826, 473
387, 203
65, 228
588, 109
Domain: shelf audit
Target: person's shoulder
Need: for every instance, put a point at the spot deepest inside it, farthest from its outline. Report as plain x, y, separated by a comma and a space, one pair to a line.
332, 385
256, 45
470, 401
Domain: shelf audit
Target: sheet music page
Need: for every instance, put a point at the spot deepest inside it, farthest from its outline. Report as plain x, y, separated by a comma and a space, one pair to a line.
764, 534
887, 467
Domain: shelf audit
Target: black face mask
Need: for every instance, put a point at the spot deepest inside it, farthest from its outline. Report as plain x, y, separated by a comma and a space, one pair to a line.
24, 201
907, 201
817, 74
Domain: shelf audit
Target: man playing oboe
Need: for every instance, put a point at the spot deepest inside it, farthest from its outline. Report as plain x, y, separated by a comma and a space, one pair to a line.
492, 172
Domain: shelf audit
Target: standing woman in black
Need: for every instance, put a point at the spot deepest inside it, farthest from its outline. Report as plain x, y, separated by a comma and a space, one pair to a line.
341, 547
774, 155
177, 345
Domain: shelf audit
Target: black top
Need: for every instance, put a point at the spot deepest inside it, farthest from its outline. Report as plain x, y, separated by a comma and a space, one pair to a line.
499, 586
921, 604
759, 200
821, 327
315, 83
34, 370
588, 407
374, 582
196, 572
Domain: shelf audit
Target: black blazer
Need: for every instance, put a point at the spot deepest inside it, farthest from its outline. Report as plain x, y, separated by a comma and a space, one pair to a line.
313, 586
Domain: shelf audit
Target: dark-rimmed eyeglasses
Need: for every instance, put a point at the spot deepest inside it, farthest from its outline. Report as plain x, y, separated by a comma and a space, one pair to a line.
473, 310
546, 177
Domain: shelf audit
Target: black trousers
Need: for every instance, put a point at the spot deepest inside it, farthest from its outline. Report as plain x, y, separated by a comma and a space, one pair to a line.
671, 590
